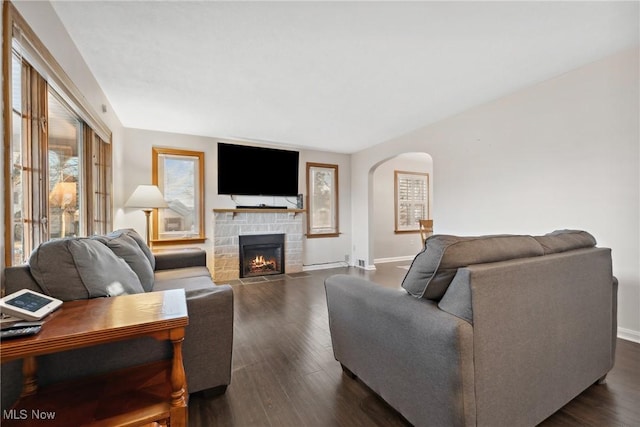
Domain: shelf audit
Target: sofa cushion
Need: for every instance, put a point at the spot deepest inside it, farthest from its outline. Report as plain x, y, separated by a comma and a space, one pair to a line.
140, 241
180, 258
433, 269
189, 284
182, 273
565, 240
126, 248
71, 269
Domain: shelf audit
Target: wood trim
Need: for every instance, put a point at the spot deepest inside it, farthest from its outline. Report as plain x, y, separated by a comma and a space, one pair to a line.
395, 200
113, 319
168, 242
6, 143
89, 188
315, 236
155, 153
108, 156
336, 233
42, 185
258, 210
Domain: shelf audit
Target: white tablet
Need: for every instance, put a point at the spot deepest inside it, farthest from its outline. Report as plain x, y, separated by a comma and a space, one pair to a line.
28, 305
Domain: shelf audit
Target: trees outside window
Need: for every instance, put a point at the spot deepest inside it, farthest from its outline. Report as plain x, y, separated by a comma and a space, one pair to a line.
322, 200
57, 162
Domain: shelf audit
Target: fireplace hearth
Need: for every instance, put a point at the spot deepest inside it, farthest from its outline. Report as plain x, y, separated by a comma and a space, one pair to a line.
261, 254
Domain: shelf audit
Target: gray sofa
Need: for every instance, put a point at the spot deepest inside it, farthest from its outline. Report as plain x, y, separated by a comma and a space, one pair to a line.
488, 331
81, 268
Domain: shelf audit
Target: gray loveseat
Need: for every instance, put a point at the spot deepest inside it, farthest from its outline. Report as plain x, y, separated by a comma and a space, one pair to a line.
120, 263
488, 331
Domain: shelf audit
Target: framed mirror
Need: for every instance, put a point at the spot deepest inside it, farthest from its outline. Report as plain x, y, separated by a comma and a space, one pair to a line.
180, 176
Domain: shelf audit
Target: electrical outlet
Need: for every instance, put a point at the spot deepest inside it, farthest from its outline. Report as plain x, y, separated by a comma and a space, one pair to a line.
360, 263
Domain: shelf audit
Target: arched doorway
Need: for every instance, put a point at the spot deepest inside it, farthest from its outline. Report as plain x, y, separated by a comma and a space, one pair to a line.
386, 244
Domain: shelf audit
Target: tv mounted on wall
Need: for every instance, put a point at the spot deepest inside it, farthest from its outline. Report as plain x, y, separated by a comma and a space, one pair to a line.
257, 171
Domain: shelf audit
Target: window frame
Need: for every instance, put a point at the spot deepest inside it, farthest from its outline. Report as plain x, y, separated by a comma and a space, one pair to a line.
398, 176
156, 179
314, 231
44, 74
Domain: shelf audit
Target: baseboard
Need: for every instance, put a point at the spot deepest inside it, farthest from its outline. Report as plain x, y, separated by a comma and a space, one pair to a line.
325, 266
337, 264
394, 259
629, 335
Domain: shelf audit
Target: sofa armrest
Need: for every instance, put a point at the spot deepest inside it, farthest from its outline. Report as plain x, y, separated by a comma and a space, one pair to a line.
180, 259
552, 319
19, 277
208, 343
415, 356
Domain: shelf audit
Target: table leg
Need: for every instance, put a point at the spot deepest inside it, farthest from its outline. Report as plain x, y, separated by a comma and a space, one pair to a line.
178, 381
29, 372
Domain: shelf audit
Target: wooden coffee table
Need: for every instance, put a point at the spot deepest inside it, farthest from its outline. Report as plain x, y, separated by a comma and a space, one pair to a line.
155, 392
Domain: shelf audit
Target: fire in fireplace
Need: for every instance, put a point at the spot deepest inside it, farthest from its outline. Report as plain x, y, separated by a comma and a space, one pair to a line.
261, 254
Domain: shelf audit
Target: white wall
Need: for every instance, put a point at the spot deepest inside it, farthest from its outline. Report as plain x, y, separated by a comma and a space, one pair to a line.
561, 154
388, 245
45, 23
320, 251
135, 169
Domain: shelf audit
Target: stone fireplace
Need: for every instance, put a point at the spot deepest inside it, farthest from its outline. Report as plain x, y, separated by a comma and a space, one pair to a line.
261, 254
232, 224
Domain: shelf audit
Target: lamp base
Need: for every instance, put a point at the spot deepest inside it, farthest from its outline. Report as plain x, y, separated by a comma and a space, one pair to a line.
147, 213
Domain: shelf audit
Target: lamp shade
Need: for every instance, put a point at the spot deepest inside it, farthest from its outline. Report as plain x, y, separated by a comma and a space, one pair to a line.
146, 197
63, 195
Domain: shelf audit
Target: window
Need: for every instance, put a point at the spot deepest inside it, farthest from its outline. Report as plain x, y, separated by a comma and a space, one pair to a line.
57, 163
99, 178
411, 200
322, 200
65, 169
179, 174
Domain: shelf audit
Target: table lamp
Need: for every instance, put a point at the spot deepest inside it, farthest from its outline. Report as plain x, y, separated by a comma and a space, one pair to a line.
147, 197
65, 196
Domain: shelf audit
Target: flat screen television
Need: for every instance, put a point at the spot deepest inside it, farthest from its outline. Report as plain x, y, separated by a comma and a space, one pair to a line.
257, 171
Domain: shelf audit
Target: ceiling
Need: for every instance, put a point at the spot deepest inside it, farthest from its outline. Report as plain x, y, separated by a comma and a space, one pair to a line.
332, 76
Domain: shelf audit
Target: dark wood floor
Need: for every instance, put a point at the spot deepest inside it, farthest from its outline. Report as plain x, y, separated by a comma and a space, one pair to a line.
284, 372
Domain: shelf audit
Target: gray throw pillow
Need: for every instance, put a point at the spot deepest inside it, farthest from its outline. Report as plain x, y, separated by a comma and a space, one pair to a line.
140, 241
433, 269
72, 269
126, 248
565, 240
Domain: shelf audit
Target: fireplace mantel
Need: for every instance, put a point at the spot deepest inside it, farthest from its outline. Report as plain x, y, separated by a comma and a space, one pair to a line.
259, 210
